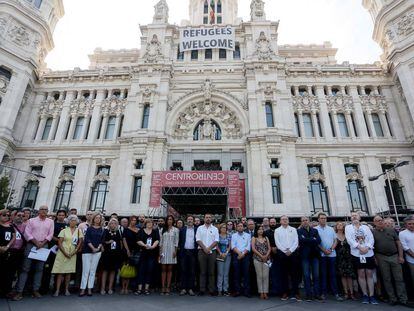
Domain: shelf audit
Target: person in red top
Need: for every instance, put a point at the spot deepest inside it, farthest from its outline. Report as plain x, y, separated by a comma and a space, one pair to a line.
38, 233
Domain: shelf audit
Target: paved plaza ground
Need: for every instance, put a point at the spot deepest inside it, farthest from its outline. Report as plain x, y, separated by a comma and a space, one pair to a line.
174, 302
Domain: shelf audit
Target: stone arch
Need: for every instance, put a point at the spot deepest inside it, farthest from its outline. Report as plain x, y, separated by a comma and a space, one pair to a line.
225, 110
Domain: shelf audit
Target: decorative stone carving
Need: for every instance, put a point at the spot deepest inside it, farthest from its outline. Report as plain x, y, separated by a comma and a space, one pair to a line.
161, 12
208, 130
354, 176
19, 35
113, 106
264, 49
208, 89
405, 25
340, 103
374, 103
31, 178
101, 177
51, 107
227, 119
153, 52
3, 24
3, 85
307, 103
317, 176
66, 177
257, 11
82, 107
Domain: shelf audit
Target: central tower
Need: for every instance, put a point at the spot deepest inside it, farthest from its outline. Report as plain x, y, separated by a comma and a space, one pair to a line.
213, 12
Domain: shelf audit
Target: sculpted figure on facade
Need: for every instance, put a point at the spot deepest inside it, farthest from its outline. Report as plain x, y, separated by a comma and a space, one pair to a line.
161, 12
257, 11
153, 51
264, 49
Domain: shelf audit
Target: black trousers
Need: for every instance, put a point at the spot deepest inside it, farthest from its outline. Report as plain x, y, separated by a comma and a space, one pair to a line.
7, 274
289, 267
188, 260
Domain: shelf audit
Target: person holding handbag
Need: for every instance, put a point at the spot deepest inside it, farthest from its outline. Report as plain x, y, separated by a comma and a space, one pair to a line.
131, 251
69, 243
261, 254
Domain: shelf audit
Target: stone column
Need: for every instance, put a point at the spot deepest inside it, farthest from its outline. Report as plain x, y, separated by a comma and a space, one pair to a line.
72, 126
301, 126
140, 114
371, 124
55, 124
103, 127
350, 124
315, 125
359, 114
384, 124
117, 125
86, 121
40, 128
64, 117
95, 120
324, 114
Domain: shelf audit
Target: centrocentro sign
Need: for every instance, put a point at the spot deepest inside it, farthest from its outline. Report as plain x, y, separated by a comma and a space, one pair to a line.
195, 179
202, 38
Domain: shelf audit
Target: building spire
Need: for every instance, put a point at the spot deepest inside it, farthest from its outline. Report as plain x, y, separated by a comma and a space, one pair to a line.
257, 11
161, 12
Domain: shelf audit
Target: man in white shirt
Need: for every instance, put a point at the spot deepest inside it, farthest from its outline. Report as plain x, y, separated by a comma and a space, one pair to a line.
207, 237
240, 245
407, 241
287, 242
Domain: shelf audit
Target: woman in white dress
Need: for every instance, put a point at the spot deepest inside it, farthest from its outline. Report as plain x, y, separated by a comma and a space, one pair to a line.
168, 253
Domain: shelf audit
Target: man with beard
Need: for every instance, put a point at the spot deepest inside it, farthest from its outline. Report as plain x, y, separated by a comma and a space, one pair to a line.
141, 221
274, 269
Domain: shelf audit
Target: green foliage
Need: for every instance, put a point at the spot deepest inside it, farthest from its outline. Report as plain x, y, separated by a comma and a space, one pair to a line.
4, 191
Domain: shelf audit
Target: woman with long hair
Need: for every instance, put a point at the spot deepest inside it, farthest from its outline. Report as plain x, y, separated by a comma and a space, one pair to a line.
92, 251
344, 263
223, 261
131, 251
261, 254
168, 253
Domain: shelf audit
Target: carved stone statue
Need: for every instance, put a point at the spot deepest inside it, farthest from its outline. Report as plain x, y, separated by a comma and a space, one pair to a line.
257, 11
153, 52
207, 129
208, 89
264, 49
161, 12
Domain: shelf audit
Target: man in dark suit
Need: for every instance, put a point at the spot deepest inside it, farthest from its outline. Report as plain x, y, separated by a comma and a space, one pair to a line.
187, 252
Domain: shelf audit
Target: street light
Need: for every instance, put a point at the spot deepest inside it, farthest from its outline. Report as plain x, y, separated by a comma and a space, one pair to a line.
15, 178
387, 173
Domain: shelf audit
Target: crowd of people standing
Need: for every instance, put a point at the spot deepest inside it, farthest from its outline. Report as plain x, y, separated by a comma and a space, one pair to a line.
349, 261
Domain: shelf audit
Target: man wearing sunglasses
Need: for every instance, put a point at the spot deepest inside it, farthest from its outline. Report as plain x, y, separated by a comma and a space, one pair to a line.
38, 233
7, 237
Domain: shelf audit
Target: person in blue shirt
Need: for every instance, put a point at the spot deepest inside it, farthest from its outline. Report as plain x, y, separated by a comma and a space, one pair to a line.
240, 245
309, 241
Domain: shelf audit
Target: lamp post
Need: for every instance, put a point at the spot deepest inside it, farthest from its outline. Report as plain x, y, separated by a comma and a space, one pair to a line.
15, 178
387, 174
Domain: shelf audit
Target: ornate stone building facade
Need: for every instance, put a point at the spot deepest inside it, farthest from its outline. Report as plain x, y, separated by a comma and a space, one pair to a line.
304, 132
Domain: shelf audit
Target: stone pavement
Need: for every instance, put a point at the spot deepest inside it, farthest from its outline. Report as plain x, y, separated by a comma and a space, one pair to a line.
174, 302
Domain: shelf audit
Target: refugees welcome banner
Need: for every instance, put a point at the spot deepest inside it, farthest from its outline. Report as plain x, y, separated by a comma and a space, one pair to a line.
207, 38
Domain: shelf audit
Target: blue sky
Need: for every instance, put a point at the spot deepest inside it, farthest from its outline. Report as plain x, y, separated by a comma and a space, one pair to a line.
109, 24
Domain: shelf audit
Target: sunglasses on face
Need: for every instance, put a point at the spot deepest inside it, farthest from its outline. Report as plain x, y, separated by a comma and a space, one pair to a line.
5, 215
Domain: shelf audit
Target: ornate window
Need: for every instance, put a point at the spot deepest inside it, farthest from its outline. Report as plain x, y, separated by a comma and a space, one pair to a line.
308, 125
212, 12
180, 55
269, 115
110, 128
47, 128
208, 54
237, 53
222, 54
145, 117
136, 195
65, 188
318, 193
276, 191
194, 55
80, 123
355, 189
396, 188
100, 189
31, 189
377, 125
343, 128
207, 130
